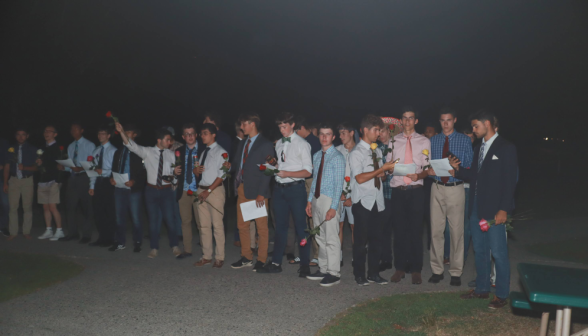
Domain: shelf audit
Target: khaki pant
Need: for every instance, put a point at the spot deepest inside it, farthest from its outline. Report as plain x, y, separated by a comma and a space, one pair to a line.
187, 206
328, 241
211, 220
244, 230
314, 248
18, 188
447, 202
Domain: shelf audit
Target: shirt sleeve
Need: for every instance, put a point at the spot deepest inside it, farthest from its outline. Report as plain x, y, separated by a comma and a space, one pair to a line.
313, 186
137, 149
306, 157
108, 159
218, 164
355, 163
339, 180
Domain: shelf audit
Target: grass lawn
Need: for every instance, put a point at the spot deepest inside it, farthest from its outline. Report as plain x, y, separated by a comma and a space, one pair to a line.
23, 273
574, 250
436, 314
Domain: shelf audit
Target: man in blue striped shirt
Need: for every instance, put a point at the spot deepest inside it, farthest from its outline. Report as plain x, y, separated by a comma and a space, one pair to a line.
448, 199
323, 205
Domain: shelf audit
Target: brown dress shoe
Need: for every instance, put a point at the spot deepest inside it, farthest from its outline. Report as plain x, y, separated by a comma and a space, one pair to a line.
10, 238
28, 236
446, 261
237, 243
202, 262
218, 264
397, 276
473, 295
416, 278
497, 303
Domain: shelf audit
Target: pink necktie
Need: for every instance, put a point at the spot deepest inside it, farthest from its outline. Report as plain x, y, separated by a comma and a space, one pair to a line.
408, 158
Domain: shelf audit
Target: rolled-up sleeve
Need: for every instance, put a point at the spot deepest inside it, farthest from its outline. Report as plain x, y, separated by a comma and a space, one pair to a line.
306, 157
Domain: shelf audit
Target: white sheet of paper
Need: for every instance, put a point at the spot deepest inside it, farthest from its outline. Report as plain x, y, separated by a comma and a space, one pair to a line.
86, 165
66, 163
441, 167
120, 180
268, 166
250, 211
404, 169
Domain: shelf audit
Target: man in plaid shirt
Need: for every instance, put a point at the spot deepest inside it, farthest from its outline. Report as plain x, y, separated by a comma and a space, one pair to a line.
323, 205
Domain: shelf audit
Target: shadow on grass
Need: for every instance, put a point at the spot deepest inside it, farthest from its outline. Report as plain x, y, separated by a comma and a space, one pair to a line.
573, 250
24, 273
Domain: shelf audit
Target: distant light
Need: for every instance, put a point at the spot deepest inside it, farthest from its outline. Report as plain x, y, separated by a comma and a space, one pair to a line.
562, 140
546, 139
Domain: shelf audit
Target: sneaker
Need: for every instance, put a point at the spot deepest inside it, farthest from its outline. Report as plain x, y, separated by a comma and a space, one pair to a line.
258, 265
304, 271
152, 254
116, 247
436, 278
330, 280
48, 234
58, 235
316, 276
377, 279
497, 303
362, 281
176, 251
243, 262
314, 262
270, 268
455, 281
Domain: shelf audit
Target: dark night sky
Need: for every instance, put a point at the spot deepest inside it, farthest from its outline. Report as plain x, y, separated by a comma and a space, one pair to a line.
328, 59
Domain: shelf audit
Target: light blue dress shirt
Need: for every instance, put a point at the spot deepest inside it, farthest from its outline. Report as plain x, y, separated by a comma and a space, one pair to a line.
107, 158
85, 149
193, 185
333, 175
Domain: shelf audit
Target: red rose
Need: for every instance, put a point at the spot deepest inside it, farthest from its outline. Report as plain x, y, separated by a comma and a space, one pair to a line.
347, 178
61, 148
109, 114
177, 153
262, 167
391, 127
225, 155
90, 158
303, 242
190, 192
116, 132
484, 225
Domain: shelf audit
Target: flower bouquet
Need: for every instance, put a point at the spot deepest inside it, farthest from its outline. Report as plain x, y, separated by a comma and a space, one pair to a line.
225, 169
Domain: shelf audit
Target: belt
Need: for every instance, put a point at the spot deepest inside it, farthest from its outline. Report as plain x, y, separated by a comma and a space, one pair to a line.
159, 188
408, 187
204, 187
448, 184
290, 184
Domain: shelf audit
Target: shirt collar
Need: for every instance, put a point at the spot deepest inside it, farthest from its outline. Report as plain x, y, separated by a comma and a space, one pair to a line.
213, 145
491, 140
450, 136
254, 138
106, 145
330, 149
364, 144
50, 144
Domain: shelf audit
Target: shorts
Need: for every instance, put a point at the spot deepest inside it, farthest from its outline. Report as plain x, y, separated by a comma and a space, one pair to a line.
342, 210
48, 194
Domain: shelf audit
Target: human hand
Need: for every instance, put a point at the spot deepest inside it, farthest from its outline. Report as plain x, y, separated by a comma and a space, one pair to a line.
348, 202
343, 198
283, 174
60, 167
389, 166
112, 181
413, 177
91, 192
99, 171
203, 195
452, 172
431, 172
198, 170
330, 214
227, 165
260, 201
500, 217
454, 162
178, 170
130, 183
119, 127
20, 166
309, 209
77, 169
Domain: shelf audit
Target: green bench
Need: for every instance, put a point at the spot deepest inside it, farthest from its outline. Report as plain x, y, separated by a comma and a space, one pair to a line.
521, 301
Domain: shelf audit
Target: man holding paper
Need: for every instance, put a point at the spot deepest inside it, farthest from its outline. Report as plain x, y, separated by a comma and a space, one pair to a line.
128, 196
448, 199
408, 198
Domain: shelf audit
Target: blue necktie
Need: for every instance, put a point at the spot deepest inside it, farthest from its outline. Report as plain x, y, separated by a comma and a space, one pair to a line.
100, 159
75, 158
481, 158
189, 166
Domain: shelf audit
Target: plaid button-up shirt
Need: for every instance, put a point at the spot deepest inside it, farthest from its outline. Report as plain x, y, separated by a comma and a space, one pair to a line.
333, 175
459, 144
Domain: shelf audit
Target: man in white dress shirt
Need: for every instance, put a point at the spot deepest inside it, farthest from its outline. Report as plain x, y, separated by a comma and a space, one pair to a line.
159, 196
289, 194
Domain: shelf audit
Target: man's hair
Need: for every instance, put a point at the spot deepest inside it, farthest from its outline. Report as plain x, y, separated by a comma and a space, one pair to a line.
214, 117
370, 121
448, 110
21, 129
483, 115
133, 128
347, 126
160, 133
302, 121
285, 118
409, 108
431, 125
467, 130
104, 128
328, 125
77, 123
189, 125
251, 117
209, 127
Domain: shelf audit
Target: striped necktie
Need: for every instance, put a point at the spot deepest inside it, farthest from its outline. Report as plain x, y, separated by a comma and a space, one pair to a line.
160, 170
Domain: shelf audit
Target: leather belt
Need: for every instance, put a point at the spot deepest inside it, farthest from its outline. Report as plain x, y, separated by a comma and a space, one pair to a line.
286, 185
204, 187
159, 188
408, 187
448, 184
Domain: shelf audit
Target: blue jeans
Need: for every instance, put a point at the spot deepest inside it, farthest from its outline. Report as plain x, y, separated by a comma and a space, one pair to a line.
4, 207
160, 206
493, 240
466, 231
128, 201
285, 201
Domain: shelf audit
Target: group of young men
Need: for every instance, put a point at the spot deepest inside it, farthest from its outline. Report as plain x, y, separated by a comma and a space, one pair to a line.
353, 180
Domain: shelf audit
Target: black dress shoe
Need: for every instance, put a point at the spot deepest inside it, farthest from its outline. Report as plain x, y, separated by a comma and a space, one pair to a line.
385, 265
270, 268
290, 256
94, 243
436, 278
455, 281
69, 237
84, 240
376, 278
304, 271
184, 255
362, 281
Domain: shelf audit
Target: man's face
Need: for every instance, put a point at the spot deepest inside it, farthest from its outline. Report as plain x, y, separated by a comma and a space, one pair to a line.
384, 135
372, 134
131, 135
189, 136
471, 135
103, 137
346, 136
49, 134
207, 137
408, 121
166, 142
208, 121
286, 129
76, 131
430, 132
247, 127
326, 137
447, 122
479, 128
303, 132
21, 136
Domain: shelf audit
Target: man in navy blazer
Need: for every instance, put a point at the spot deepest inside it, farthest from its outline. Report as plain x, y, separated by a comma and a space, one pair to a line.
492, 178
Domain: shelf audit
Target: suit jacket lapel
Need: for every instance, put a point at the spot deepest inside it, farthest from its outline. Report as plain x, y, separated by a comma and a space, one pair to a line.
495, 146
260, 139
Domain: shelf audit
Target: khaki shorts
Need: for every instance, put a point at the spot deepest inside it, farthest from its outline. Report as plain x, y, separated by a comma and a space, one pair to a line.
48, 194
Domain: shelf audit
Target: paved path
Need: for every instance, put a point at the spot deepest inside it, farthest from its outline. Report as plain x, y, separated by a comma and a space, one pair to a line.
125, 293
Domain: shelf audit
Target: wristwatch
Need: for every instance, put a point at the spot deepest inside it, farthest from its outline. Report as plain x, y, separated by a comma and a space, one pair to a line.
209, 191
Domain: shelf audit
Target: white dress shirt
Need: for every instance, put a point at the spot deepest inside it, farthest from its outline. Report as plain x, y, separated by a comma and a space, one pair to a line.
212, 165
345, 152
488, 143
150, 156
360, 161
293, 156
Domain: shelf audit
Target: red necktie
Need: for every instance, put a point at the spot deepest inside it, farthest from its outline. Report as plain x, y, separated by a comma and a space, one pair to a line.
445, 154
317, 190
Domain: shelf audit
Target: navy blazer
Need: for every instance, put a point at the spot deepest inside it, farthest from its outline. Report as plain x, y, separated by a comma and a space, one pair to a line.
255, 182
496, 180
